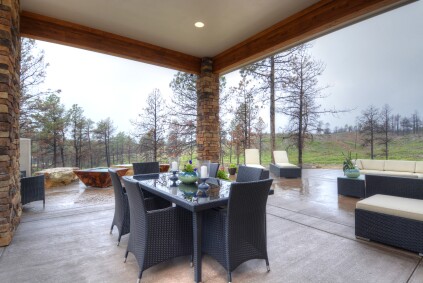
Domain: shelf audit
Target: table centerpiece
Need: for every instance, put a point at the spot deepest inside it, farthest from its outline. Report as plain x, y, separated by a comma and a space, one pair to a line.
188, 174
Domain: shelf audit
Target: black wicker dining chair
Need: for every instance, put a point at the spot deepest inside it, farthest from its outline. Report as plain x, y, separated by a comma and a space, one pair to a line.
121, 216
156, 235
32, 189
214, 167
142, 168
146, 167
248, 174
238, 233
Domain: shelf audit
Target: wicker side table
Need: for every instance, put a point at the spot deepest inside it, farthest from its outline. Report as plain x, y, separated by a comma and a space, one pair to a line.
353, 187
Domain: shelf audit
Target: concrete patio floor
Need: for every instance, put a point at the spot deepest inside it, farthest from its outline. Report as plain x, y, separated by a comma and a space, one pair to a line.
310, 239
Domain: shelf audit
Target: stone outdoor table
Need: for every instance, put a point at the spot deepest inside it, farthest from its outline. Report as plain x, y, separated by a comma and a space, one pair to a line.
98, 177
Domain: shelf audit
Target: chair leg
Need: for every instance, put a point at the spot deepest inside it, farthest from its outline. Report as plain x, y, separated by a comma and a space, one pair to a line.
267, 265
111, 229
139, 277
126, 255
229, 277
44, 203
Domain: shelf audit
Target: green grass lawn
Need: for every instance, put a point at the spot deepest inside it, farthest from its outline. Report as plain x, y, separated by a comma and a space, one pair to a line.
326, 150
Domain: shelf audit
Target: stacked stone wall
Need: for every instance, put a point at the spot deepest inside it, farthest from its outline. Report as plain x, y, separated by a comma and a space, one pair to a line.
208, 113
10, 198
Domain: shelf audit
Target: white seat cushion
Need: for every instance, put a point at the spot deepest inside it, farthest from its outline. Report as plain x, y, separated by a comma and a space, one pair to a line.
286, 165
368, 164
252, 156
255, 166
391, 205
280, 156
419, 167
400, 166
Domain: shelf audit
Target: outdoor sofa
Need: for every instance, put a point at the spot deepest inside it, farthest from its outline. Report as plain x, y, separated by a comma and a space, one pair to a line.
392, 212
282, 167
401, 168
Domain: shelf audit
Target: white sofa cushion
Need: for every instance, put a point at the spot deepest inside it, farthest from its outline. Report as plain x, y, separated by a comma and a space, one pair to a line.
286, 165
358, 163
419, 167
280, 156
252, 156
400, 166
369, 164
397, 206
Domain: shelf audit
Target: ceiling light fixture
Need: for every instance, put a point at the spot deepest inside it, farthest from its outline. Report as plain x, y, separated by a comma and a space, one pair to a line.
199, 24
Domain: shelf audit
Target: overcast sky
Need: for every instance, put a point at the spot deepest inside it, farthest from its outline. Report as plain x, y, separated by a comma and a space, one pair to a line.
377, 61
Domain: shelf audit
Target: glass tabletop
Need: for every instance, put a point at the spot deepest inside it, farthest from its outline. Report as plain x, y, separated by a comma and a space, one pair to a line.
218, 189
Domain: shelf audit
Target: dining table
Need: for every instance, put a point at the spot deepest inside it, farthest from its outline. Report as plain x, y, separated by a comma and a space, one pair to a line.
185, 196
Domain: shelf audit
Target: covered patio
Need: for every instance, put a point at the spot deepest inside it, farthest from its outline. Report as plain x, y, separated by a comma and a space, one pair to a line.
310, 228
310, 239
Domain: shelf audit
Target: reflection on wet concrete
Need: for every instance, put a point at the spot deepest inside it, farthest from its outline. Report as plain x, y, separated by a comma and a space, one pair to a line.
74, 195
315, 194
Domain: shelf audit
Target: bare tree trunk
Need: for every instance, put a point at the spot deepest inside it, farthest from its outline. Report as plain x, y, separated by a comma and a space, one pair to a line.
300, 130
55, 151
371, 143
272, 109
106, 146
230, 150
260, 147
90, 149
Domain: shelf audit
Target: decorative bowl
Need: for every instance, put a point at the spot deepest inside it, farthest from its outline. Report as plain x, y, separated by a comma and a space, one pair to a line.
188, 177
352, 173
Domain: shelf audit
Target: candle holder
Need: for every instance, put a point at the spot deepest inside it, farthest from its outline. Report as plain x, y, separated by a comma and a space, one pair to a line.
174, 164
174, 178
202, 188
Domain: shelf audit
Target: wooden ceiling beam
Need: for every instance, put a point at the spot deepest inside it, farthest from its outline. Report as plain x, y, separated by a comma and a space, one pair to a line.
316, 20
57, 31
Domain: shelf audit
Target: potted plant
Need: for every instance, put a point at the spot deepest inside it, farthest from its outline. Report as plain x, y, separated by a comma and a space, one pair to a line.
232, 169
350, 170
188, 174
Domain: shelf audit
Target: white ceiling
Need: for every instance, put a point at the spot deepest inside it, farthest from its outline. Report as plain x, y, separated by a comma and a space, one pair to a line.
170, 23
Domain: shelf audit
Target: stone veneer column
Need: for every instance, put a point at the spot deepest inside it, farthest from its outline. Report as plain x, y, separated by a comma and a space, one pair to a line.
10, 198
208, 113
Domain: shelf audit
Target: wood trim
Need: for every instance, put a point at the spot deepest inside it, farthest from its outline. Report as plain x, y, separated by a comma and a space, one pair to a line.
320, 18
57, 31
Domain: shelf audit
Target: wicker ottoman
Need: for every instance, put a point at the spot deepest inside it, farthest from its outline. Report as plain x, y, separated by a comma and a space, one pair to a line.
391, 220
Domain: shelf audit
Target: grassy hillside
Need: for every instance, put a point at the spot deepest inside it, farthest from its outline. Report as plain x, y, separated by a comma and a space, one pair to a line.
326, 150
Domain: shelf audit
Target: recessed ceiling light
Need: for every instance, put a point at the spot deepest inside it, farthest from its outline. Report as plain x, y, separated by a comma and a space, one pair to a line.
199, 24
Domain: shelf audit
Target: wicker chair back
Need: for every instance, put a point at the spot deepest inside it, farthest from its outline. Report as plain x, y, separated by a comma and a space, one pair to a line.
146, 167
214, 167
121, 217
248, 174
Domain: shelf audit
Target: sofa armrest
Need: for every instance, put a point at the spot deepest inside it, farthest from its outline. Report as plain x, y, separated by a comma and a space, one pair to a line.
394, 186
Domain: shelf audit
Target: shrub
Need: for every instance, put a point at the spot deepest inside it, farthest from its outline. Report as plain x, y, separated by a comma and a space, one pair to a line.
222, 175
